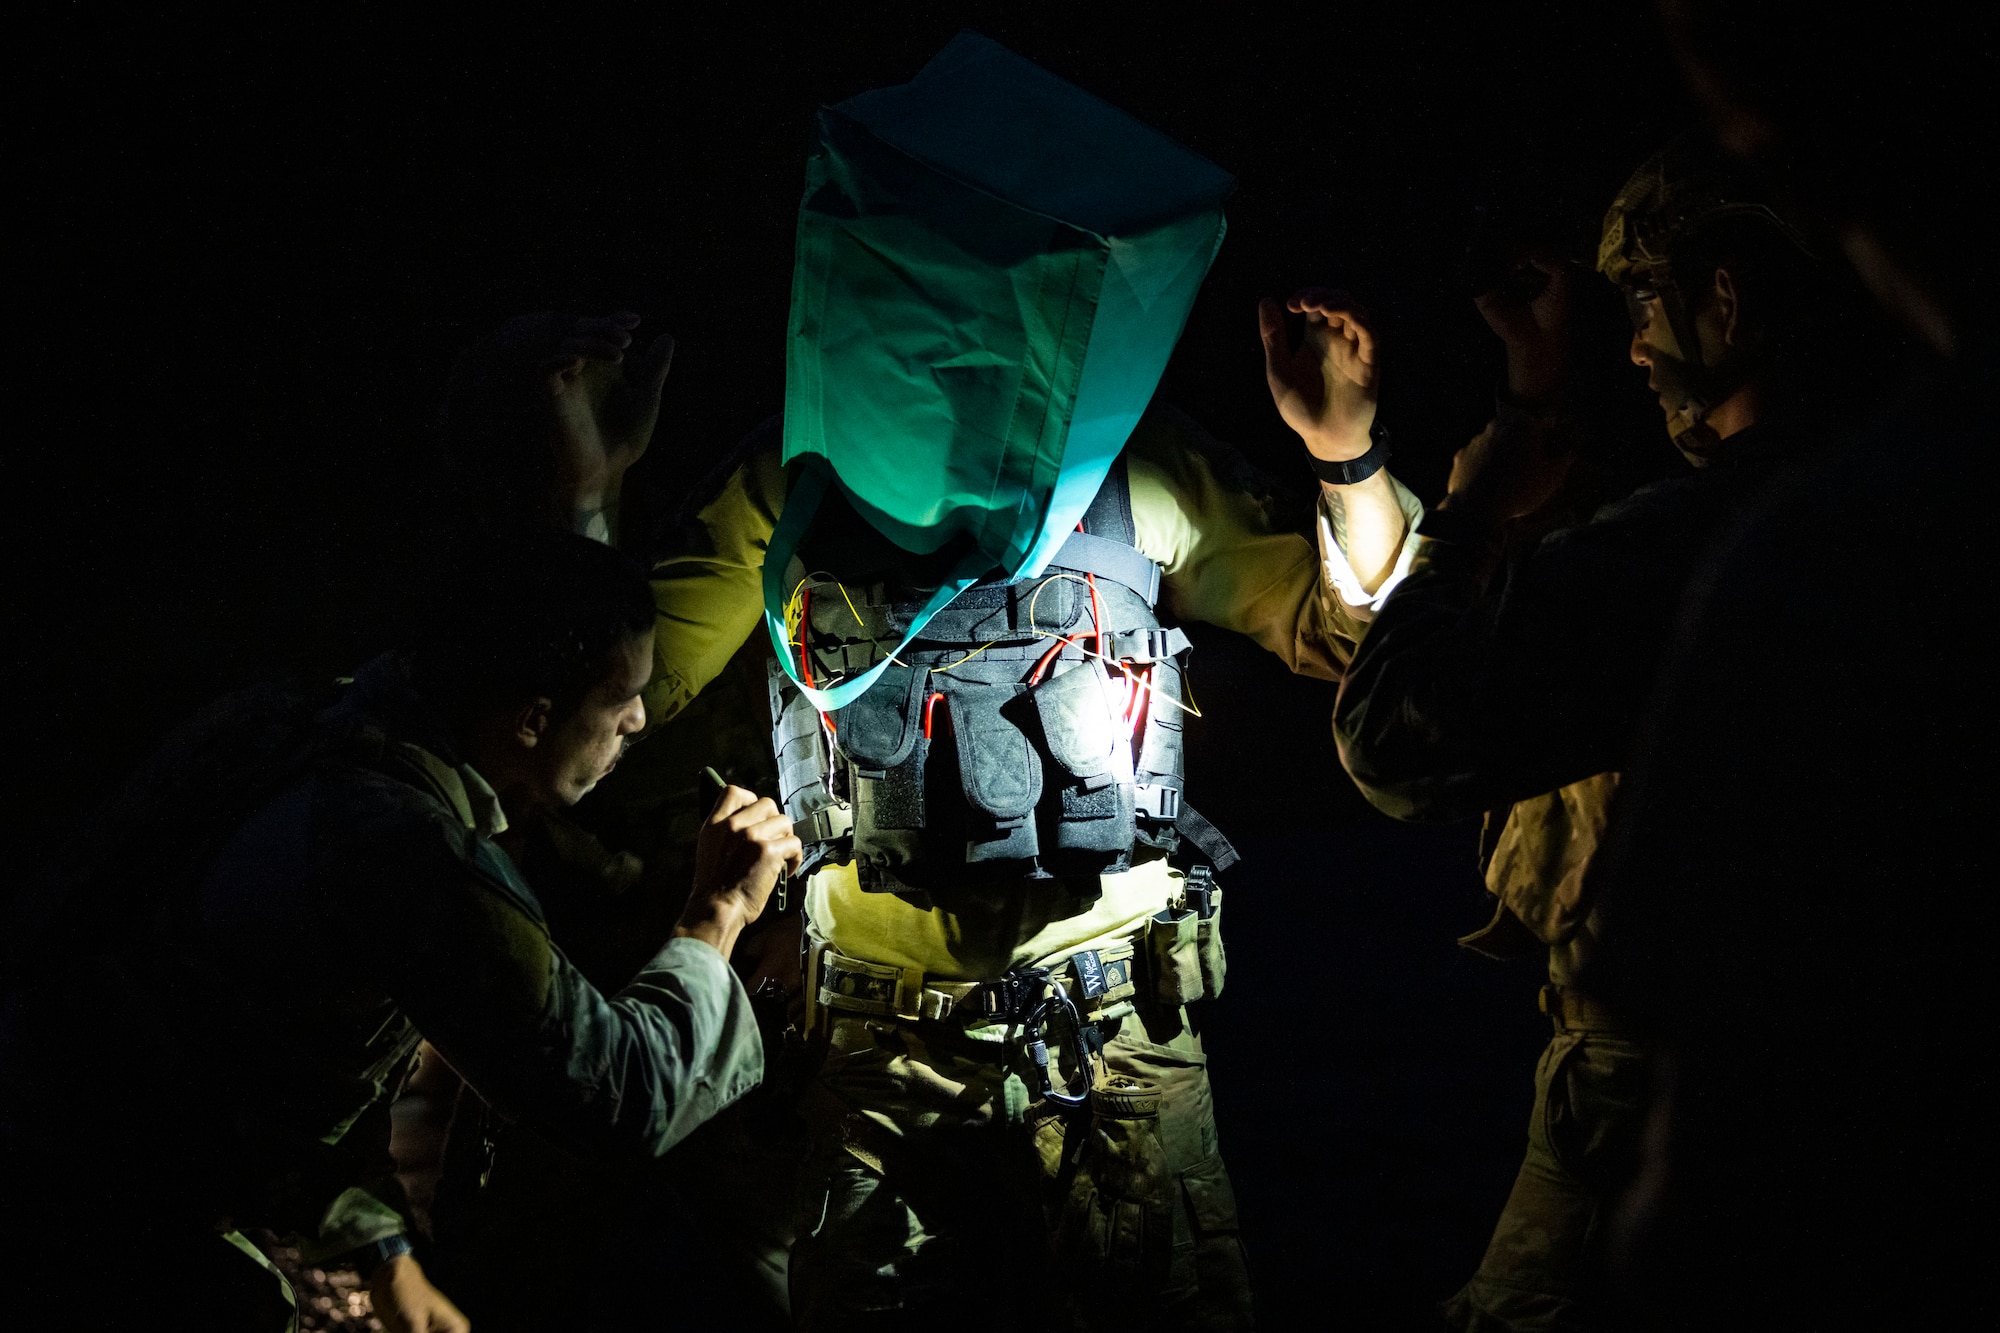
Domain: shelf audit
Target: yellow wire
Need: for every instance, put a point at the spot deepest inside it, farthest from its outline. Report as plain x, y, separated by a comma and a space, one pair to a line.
1037, 595
963, 660
793, 608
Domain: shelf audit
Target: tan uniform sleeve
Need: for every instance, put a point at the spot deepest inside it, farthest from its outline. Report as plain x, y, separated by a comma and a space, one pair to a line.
710, 596
1222, 560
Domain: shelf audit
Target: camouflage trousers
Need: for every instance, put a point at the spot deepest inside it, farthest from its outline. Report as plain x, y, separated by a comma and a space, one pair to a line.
1545, 1263
929, 1203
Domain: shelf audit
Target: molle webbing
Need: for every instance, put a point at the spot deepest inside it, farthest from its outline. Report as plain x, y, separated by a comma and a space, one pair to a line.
1031, 730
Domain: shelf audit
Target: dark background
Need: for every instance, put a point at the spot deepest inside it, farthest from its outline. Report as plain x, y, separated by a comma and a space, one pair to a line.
251, 251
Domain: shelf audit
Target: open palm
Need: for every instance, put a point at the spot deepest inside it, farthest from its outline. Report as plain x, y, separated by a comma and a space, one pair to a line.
606, 404
1325, 386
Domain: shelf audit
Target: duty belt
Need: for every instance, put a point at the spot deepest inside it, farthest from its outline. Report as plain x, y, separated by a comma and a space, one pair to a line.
1064, 1000
1100, 982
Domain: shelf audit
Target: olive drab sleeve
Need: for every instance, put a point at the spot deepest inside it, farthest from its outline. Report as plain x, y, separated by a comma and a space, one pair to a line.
1224, 562
1222, 559
710, 593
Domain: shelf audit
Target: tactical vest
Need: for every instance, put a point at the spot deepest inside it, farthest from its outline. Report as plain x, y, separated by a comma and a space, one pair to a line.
1033, 731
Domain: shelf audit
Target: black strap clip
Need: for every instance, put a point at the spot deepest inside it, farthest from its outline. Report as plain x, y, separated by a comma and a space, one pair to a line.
1201, 892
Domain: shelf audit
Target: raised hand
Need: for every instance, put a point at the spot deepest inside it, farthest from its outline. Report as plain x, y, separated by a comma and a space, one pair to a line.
1531, 314
1325, 387
1507, 472
606, 404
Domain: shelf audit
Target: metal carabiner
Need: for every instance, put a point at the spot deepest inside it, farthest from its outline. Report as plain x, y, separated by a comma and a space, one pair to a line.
1078, 1047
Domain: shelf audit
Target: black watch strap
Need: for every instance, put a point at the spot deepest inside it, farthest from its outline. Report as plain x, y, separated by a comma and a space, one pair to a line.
367, 1258
1350, 471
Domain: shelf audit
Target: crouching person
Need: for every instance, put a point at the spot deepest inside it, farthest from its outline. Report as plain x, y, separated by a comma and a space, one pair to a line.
216, 988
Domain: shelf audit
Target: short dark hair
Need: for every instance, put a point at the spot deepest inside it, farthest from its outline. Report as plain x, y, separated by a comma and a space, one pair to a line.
527, 613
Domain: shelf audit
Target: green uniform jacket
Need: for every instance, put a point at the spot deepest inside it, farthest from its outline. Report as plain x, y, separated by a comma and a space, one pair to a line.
215, 1065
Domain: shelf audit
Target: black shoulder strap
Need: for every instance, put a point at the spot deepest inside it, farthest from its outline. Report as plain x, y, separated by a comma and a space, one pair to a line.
1110, 512
1105, 546
1207, 838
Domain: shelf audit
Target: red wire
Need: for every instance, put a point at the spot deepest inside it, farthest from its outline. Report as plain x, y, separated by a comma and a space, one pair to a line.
930, 704
805, 651
1131, 693
1096, 609
1050, 656
1135, 715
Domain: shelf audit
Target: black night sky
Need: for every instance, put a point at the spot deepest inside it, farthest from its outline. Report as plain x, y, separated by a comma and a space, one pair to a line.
251, 249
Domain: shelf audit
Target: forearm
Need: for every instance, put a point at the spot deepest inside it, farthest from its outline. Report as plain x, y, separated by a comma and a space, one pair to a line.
1222, 560
1369, 525
1367, 543
624, 1075
1466, 696
629, 1075
716, 926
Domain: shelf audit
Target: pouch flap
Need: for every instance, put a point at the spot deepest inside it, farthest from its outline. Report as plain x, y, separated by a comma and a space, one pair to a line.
1078, 710
879, 729
997, 765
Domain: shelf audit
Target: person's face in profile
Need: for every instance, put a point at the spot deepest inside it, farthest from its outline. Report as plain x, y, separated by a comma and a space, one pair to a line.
581, 747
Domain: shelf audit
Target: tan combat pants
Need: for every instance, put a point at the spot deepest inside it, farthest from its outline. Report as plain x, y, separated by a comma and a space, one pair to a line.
1545, 1263
929, 1203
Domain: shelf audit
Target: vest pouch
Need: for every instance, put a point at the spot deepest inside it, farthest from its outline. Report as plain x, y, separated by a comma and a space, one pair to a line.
999, 772
879, 730
1174, 951
798, 740
883, 748
889, 823
1208, 946
1091, 759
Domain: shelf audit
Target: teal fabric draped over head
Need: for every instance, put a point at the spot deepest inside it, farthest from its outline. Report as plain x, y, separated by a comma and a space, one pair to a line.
993, 267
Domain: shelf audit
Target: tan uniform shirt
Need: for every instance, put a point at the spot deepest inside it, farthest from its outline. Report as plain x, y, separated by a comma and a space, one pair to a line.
1222, 562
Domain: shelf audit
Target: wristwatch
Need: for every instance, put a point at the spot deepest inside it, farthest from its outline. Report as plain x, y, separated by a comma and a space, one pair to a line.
367, 1258
1349, 471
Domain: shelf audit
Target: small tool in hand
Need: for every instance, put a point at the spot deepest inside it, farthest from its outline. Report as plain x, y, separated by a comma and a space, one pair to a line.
715, 780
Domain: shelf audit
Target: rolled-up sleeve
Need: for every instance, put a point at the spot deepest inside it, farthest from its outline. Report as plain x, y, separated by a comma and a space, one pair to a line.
1356, 603
1223, 560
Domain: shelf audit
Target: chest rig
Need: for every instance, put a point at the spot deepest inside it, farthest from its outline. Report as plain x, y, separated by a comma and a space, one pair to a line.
1032, 731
